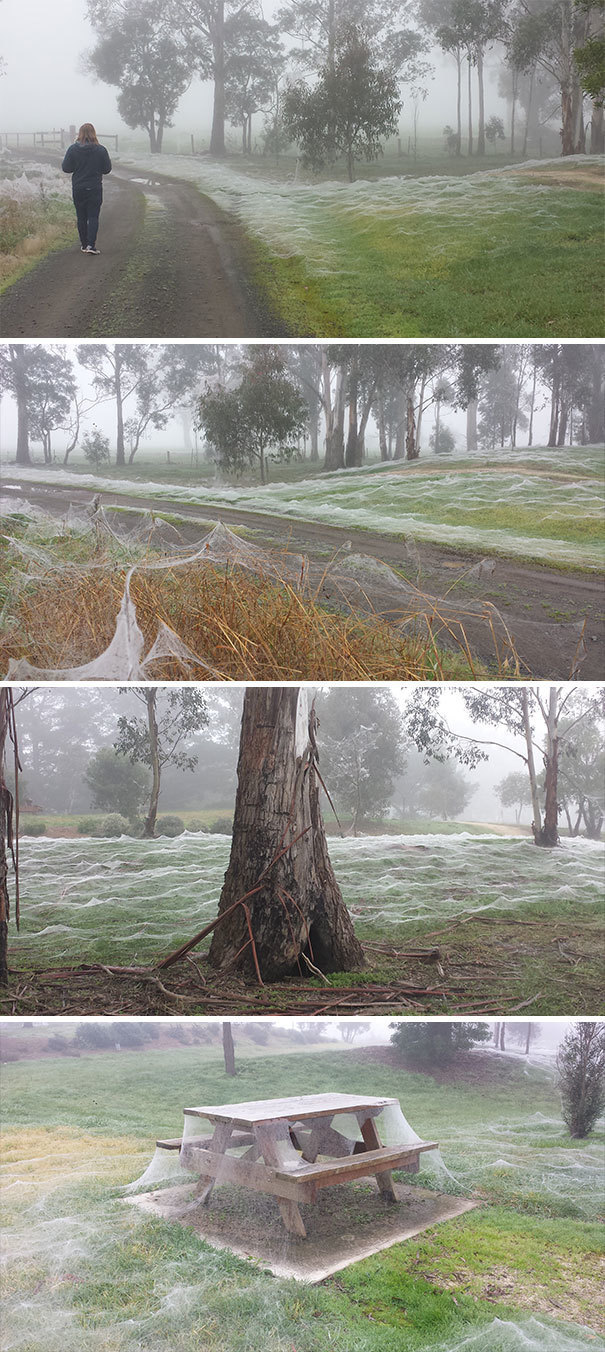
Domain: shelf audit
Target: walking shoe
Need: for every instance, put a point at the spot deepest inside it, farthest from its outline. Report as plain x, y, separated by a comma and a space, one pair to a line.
90, 249
82, 248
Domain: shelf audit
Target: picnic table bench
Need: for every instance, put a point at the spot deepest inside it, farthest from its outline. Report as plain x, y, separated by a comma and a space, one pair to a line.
282, 1141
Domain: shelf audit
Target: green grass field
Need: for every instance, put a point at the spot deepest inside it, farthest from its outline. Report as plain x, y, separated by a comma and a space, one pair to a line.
503, 252
85, 1270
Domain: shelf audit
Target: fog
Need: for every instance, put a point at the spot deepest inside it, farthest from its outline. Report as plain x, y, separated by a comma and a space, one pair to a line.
45, 83
54, 762
172, 437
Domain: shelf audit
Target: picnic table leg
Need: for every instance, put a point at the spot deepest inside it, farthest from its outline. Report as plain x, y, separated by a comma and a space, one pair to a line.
372, 1141
218, 1143
268, 1139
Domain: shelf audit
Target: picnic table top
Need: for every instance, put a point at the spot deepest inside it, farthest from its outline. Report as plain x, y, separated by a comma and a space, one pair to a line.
295, 1109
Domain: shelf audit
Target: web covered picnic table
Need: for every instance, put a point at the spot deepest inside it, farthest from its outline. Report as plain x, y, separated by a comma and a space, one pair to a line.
289, 1147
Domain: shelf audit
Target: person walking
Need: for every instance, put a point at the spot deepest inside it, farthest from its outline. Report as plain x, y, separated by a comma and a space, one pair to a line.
87, 162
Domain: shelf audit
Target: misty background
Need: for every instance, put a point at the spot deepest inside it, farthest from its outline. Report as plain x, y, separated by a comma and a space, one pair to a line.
46, 85
61, 729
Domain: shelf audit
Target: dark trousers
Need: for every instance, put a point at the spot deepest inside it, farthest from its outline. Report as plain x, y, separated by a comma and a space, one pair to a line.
87, 202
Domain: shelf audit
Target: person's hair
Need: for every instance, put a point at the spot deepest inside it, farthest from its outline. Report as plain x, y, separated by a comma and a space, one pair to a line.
87, 133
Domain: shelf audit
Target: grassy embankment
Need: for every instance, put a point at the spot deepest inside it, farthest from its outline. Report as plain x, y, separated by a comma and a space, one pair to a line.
241, 626
511, 252
29, 230
501, 272
85, 1268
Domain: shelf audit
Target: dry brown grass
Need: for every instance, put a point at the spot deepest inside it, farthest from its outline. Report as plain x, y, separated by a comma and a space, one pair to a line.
245, 627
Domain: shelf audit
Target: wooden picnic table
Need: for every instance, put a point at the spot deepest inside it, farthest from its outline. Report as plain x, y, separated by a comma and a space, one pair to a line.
282, 1141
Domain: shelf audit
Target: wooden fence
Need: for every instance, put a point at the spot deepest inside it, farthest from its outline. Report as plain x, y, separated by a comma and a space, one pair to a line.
49, 140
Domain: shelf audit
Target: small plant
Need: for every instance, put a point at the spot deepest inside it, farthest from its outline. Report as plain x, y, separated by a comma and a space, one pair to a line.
170, 825
114, 825
87, 826
195, 825
32, 828
222, 826
96, 447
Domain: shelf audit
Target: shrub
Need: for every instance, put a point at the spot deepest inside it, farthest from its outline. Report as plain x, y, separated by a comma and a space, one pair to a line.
169, 826
222, 826
435, 1044
32, 828
88, 826
114, 825
196, 825
581, 1069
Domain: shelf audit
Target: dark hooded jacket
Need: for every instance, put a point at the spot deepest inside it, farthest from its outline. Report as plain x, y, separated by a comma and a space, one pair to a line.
87, 162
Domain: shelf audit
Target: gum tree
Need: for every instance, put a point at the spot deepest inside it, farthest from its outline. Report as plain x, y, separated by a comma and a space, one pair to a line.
279, 864
543, 718
171, 716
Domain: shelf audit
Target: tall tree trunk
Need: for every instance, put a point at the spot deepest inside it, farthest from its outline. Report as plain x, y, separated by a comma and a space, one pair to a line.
529, 110
156, 770
596, 402
471, 425
402, 406
335, 446
597, 130
513, 111
502, 1043
549, 834
470, 105
217, 136
531, 768
530, 436
412, 450
458, 101
314, 437
480, 82
420, 409
352, 456
279, 856
120, 456
382, 427
228, 1049
567, 122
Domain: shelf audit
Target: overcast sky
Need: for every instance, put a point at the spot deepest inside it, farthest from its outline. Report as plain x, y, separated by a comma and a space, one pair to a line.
45, 84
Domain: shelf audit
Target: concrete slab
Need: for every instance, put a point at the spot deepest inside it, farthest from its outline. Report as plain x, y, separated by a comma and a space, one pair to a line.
345, 1224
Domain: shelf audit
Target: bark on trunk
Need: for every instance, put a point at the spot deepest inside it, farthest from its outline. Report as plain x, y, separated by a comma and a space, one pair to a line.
217, 136
412, 450
120, 457
481, 128
471, 425
597, 130
549, 834
152, 812
228, 1050
7, 813
335, 448
279, 856
531, 766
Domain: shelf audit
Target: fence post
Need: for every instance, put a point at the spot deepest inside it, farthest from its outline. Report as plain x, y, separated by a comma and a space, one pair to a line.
72, 131
192, 145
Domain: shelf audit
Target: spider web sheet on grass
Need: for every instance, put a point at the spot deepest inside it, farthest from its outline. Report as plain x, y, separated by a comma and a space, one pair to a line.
129, 900
356, 582
297, 219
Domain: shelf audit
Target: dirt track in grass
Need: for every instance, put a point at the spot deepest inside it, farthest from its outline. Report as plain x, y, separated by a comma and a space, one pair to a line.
171, 266
543, 607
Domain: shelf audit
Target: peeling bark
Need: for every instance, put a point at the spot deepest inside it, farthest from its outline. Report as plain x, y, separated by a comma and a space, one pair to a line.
279, 856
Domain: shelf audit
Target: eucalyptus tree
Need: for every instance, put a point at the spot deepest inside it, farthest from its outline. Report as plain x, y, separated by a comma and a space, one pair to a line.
139, 50
363, 739
544, 719
280, 889
350, 110
252, 74
161, 737
547, 34
211, 31
40, 380
389, 25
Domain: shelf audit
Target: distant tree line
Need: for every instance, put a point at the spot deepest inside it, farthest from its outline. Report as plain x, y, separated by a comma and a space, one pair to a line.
327, 75
254, 404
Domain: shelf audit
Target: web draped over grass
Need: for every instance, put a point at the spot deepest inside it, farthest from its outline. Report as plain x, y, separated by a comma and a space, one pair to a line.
81, 1269
305, 219
533, 504
132, 901
198, 615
